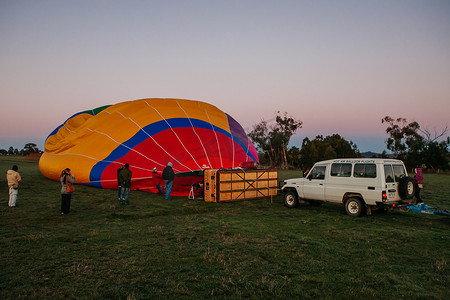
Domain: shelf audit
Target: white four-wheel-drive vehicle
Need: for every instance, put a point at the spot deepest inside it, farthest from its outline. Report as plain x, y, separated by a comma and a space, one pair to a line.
360, 184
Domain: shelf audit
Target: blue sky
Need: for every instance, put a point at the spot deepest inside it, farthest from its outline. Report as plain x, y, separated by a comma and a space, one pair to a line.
338, 66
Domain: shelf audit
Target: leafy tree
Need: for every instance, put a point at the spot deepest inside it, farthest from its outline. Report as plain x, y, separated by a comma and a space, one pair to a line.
259, 136
436, 155
401, 135
282, 133
342, 147
330, 147
294, 157
30, 148
273, 140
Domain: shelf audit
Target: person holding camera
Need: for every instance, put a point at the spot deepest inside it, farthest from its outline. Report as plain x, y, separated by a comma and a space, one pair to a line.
67, 180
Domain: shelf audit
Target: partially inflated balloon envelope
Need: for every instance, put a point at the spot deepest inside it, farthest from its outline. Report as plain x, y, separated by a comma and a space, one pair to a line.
146, 133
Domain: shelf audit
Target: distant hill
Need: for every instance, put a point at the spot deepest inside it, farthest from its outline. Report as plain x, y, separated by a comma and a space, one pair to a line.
370, 154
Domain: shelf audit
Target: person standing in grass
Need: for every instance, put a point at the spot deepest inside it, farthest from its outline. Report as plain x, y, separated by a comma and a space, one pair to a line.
125, 183
118, 182
168, 175
67, 180
156, 177
13, 178
418, 179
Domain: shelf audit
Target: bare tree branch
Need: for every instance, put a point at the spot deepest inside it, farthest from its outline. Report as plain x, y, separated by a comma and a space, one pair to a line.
432, 138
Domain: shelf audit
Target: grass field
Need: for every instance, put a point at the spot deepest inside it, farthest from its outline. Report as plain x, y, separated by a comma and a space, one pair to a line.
191, 249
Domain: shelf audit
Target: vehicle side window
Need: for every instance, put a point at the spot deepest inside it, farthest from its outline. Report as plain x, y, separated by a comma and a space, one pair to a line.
399, 172
388, 173
341, 170
317, 172
365, 170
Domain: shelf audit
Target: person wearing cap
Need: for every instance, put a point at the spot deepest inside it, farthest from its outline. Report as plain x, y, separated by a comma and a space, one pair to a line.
157, 180
66, 179
125, 183
13, 178
168, 175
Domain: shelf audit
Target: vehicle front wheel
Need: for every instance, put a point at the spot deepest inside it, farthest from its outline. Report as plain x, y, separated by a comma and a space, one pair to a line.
290, 199
354, 207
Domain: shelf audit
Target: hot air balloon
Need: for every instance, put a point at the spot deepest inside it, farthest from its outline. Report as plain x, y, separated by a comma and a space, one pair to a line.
146, 133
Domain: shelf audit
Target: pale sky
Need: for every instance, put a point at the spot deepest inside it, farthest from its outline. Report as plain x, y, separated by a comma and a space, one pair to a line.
338, 66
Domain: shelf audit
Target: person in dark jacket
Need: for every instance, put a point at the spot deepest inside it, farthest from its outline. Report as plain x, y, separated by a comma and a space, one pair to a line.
119, 193
125, 183
168, 175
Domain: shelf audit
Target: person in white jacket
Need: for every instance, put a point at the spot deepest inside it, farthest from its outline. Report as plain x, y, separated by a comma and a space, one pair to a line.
13, 178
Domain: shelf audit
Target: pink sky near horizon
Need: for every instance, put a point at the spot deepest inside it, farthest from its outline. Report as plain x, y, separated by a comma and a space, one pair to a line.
339, 67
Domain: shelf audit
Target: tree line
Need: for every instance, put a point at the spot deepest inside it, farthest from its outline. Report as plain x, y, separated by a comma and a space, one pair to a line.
407, 141
27, 149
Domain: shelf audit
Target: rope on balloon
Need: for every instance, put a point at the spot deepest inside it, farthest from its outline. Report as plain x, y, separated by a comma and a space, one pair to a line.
173, 131
193, 129
217, 139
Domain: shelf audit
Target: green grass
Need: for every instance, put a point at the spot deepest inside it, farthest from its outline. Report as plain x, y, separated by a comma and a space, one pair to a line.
191, 249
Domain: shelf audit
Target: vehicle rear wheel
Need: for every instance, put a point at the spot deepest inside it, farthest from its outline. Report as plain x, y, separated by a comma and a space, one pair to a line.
291, 199
406, 188
354, 207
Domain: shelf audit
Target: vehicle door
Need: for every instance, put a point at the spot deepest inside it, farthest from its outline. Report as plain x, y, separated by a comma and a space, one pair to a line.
339, 182
314, 186
366, 181
391, 185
